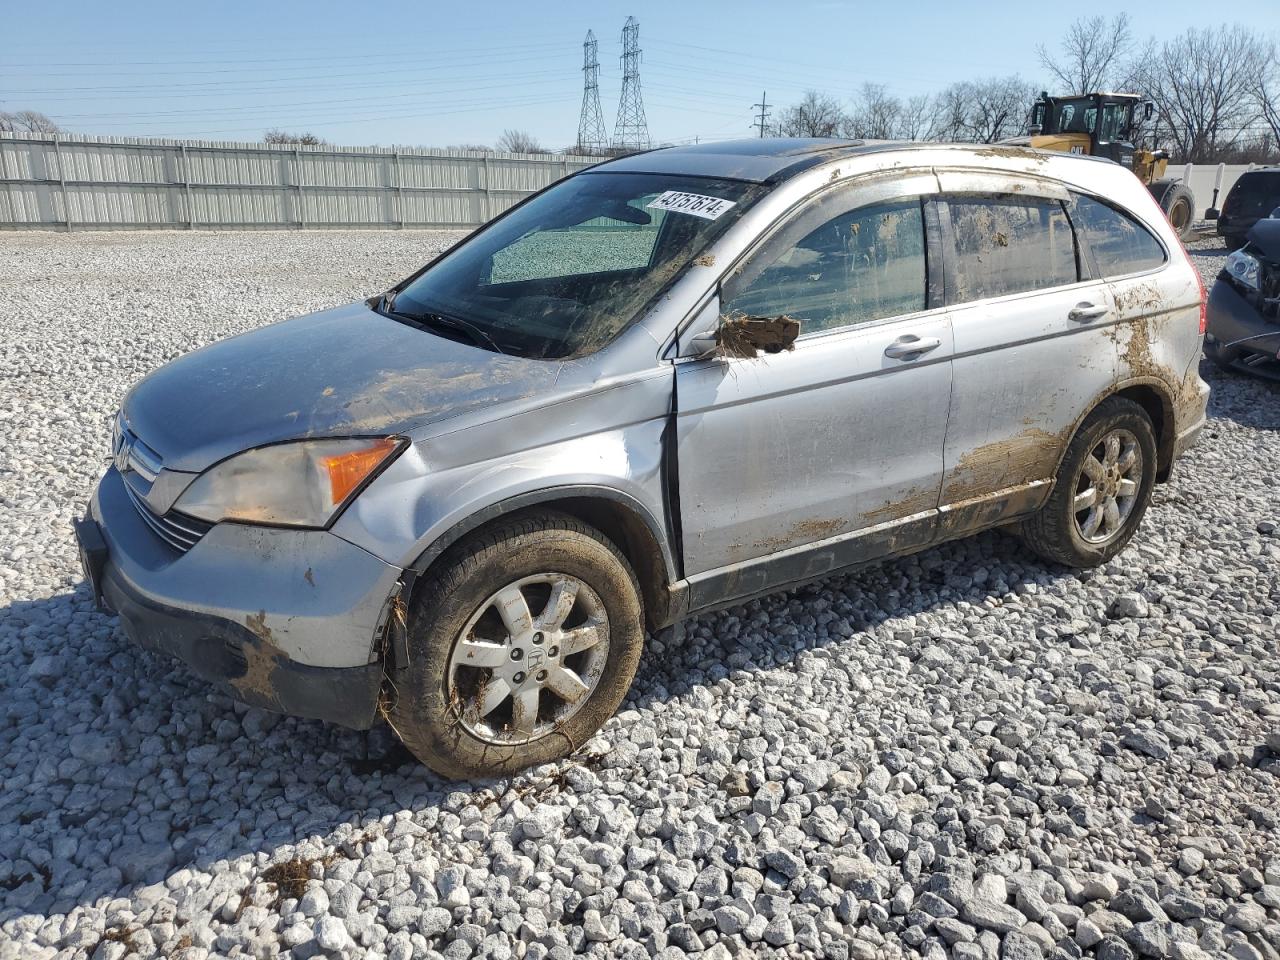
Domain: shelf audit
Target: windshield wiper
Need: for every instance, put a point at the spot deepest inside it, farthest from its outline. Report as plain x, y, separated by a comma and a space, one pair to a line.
440, 321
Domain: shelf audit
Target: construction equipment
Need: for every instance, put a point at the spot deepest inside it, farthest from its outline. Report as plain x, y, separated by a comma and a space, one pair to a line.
1106, 125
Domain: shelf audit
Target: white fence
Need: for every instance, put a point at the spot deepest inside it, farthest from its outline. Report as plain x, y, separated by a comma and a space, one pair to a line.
105, 183
1203, 177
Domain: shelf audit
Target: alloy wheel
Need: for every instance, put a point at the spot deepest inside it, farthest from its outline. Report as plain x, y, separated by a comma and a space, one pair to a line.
1107, 487
516, 675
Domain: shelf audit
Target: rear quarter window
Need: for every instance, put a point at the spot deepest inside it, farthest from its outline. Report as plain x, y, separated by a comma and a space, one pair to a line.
1120, 244
1006, 245
1254, 194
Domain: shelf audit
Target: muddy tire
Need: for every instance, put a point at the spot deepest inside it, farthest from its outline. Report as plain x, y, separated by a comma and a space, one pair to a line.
523, 640
1178, 203
1102, 490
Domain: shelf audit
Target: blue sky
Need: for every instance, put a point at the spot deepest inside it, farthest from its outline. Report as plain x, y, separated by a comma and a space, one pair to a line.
433, 74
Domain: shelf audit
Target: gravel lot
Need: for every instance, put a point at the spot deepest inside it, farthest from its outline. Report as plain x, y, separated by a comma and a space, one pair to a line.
964, 753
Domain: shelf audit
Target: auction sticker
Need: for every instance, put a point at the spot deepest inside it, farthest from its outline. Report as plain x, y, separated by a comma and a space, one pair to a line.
709, 208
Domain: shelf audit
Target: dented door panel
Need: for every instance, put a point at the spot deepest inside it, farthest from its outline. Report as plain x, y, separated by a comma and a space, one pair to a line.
784, 451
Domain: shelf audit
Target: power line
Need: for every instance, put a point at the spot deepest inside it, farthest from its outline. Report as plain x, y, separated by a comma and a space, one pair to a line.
591, 136
631, 132
763, 115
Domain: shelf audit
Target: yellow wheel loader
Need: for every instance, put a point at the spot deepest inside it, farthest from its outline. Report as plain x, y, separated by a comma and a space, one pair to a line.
1104, 125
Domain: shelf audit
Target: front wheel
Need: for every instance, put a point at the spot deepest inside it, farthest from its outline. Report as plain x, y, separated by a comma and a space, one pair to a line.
521, 644
1103, 487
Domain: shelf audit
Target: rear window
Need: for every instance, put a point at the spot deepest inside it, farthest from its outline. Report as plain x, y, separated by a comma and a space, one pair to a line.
1119, 243
1254, 194
1006, 245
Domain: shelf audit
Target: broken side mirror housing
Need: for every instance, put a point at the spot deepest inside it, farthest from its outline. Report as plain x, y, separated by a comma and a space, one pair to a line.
744, 336
700, 338
737, 335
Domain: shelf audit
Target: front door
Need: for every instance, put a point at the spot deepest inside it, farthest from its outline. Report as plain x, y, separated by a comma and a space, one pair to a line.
794, 464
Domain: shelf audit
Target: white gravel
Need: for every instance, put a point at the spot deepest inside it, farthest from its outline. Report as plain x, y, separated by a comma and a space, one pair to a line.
964, 753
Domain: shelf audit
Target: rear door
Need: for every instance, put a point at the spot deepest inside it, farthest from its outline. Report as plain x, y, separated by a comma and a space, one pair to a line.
1034, 343
794, 464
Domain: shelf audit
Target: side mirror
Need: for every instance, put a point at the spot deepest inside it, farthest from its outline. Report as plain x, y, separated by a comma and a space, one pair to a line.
1212, 213
737, 335
747, 337
701, 338
1148, 107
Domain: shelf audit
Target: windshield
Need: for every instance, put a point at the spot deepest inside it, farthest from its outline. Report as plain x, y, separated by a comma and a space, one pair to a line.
568, 271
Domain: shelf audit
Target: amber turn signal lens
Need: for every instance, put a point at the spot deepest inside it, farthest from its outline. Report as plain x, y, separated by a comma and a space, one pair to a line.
348, 470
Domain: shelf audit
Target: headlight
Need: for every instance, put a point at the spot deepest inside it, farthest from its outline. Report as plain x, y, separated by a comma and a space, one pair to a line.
298, 484
1243, 268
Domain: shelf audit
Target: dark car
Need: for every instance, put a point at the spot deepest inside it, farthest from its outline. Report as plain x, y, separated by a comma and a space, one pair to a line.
1243, 329
1251, 198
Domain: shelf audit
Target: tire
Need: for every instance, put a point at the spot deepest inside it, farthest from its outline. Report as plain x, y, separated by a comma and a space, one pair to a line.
1233, 243
437, 700
1056, 532
1178, 204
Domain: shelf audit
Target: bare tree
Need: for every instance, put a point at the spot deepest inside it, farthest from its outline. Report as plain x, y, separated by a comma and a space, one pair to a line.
875, 114
1205, 85
520, 141
915, 122
1091, 54
816, 115
981, 111
27, 121
284, 136
1266, 94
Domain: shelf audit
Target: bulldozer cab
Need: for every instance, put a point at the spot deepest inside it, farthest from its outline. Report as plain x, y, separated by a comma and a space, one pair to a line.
1097, 124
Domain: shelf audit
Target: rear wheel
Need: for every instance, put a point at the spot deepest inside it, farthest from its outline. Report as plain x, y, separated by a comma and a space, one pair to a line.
1178, 204
1102, 490
521, 644
1233, 243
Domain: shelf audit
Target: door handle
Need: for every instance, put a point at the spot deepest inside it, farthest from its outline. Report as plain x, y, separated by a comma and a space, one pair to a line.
1084, 312
911, 346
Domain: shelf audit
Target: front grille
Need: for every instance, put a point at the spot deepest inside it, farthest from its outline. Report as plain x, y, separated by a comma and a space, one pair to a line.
176, 529
139, 466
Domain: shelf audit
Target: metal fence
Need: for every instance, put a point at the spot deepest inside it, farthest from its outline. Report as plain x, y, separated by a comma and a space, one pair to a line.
105, 183
114, 183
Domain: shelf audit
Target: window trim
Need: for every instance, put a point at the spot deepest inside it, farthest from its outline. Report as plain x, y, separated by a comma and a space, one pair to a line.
769, 247
858, 194
1083, 265
1082, 236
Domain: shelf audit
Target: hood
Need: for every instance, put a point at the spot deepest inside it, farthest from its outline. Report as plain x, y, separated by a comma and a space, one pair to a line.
342, 372
1265, 235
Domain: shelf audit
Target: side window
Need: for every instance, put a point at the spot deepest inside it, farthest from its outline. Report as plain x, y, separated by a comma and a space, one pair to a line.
1007, 245
601, 245
862, 265
1113, 116
1120, 244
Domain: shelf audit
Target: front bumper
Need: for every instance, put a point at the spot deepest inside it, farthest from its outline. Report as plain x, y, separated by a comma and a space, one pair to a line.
1232, 318
286, 620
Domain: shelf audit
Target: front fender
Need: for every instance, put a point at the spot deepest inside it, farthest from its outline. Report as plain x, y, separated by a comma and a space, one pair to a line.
415, 509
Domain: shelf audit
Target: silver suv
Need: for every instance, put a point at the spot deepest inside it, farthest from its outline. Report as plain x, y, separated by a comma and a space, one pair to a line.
666, 384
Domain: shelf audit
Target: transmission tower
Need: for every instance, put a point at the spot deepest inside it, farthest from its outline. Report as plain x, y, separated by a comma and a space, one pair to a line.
763, 115
591, 135
631, 132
